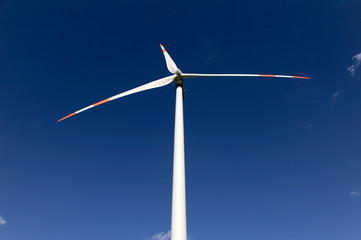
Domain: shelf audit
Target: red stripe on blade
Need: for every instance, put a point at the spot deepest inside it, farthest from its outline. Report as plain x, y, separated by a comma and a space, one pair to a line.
163, 49
301, 77
265, 75
66, 117
101, 102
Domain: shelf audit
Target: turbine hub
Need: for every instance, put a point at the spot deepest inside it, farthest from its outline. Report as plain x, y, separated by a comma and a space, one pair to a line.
178, 72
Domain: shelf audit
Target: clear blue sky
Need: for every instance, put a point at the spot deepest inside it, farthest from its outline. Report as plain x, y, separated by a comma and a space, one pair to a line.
266, 159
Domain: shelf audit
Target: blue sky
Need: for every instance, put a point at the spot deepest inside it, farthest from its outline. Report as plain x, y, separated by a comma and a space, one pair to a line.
265, 158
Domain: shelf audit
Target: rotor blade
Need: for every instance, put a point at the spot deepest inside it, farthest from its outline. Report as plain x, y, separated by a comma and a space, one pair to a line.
172, 67
190, 75
155, 84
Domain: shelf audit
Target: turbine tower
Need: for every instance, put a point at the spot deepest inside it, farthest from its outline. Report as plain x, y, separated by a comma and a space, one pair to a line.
179, 223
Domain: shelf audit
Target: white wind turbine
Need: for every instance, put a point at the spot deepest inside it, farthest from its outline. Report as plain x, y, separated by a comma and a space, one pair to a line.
179, 226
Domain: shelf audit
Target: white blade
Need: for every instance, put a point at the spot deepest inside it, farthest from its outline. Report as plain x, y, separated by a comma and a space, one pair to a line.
170, 63
190, 75
155, 84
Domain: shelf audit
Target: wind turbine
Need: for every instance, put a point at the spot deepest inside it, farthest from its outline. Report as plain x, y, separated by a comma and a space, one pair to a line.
179, 225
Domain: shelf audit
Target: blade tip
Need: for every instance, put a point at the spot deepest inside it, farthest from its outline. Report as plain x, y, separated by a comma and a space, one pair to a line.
301, 77
66, 117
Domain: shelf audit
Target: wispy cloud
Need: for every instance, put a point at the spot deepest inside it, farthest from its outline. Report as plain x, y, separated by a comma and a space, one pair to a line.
161, 236
336, 95
165, 236
356, 63
355, 194
2, 221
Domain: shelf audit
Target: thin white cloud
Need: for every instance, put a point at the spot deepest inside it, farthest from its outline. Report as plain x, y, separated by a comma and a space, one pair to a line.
356, 63
165, 236
161, 236
336, 95
355, 194
2, 221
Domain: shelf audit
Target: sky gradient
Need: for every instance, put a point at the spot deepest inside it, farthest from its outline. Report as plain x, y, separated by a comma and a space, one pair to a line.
266, 158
